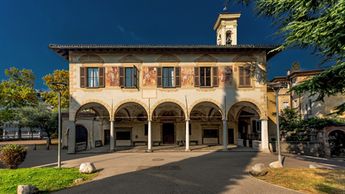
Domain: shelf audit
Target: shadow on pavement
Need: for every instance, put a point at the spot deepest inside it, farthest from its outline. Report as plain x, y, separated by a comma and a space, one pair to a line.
215, 172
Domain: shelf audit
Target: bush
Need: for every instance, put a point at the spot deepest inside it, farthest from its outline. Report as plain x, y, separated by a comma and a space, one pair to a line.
12, 155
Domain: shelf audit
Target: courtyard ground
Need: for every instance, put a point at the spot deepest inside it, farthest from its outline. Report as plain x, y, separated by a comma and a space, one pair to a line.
168, 171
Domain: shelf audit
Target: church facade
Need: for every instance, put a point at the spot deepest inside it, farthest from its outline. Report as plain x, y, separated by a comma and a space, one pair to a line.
182, 95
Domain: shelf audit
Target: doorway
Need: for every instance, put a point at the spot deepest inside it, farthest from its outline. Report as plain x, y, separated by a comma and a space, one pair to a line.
168, 133
106, 137
231, 136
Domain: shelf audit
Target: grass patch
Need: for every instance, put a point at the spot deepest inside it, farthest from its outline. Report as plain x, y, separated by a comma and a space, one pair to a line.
45, 179
308, 180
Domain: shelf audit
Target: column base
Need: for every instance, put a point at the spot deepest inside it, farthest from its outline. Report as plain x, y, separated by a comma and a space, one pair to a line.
187, 150
149, 151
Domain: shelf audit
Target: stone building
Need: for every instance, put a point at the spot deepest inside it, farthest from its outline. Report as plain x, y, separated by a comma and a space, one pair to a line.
332, 138
127, 95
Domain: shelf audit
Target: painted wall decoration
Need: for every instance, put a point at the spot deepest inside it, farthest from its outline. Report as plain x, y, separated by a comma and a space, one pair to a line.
113, 77
187, 74
225, 76
149, 76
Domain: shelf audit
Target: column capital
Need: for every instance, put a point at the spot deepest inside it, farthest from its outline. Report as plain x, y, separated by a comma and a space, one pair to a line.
224, 119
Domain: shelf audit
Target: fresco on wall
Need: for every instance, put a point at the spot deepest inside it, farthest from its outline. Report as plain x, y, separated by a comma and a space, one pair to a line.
187, 74
113, 78
225, 76
149, 76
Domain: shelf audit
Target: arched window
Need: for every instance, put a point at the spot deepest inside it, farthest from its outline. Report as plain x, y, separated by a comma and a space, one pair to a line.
228, 37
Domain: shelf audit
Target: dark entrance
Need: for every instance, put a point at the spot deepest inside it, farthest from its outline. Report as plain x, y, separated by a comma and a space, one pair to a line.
231, 136
106, 137
81, 138
336, 141
168, 133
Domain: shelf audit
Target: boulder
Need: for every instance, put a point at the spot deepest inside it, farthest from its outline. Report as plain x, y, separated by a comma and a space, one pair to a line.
26, 189
87, 168
258, 170
276, 164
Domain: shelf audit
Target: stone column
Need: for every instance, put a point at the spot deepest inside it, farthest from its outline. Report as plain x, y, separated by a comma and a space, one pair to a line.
264, 136
225, 134
112, 135
71, 137
187, 135
149, 136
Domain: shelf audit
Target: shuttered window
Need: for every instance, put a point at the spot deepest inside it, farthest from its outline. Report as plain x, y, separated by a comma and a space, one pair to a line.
196, 77
215, 76
244, 76
130, 77
205, 76
92, 77
168, 77
159, 77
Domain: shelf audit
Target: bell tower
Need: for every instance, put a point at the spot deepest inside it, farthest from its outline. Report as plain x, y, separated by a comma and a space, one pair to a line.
226, 28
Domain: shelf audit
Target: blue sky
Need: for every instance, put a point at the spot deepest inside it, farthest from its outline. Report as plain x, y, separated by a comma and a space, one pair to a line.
27, 27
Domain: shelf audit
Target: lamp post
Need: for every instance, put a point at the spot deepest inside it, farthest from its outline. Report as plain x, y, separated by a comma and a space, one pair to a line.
59, 86
276, 86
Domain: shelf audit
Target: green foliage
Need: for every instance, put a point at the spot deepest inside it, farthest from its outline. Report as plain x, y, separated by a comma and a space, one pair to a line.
296, 129
51, 97
12, 155
45, 179
40, 116
18, 90
317, 24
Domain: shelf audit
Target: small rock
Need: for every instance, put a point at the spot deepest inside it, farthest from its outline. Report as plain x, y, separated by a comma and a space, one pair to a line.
26, 189
317, 166
87, 168
276, 164
78, 181
258, 170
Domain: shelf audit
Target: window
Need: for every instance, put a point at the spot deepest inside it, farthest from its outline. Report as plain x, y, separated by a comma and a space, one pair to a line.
123, 135
168, 77
210, 133
244, 76
205, 76
129, 77
92, 77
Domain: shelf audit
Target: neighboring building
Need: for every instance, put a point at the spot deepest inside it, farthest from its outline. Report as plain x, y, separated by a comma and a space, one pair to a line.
306, 105
330, 141
144, 94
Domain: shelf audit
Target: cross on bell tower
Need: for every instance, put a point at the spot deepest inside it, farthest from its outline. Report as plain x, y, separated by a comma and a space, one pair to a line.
226, 27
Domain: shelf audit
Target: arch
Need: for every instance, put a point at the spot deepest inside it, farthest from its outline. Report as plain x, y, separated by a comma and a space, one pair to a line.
170, 101
235, 109
131, 100
181, 105
336, 140
206, 58
130, 59
244, 58
90, 58
90, 104
168, 58
213, 105
132, 109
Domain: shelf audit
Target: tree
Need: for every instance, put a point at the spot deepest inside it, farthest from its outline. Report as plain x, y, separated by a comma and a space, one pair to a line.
317, 24
18, 90
41, 117
50, 97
